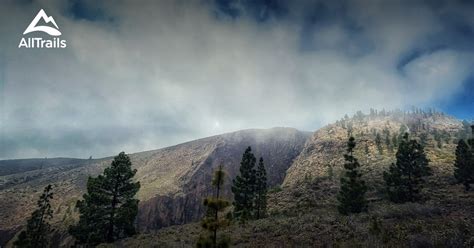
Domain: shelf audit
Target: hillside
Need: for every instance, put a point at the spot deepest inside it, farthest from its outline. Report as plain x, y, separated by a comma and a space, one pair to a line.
173, 180
303, 172
323, 151
13, 166
302, 213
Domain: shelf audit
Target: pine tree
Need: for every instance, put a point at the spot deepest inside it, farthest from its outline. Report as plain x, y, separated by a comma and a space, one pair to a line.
261, 190
464, 163
38, 229
109, 208
405, 178
244, 187
211, 222
378, 143
394, 140
388, 142
352, 193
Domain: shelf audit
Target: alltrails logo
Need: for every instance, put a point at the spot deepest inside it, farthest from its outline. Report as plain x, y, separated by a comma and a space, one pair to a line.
38, 42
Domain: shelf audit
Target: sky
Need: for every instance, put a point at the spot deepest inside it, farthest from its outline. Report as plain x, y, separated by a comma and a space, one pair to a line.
140, 75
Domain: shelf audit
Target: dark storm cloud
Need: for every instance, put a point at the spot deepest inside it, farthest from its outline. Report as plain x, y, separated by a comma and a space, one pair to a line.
87, 10
142, 75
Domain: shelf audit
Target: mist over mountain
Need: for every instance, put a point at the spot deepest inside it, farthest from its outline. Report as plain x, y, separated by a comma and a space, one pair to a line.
174, 180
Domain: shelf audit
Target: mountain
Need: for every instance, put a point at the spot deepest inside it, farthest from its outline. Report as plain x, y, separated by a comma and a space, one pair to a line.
303, 171
323, 151
321, 159
13, 166
173, 180
303, 212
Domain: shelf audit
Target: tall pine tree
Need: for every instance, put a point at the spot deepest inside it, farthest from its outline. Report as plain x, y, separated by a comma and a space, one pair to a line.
261, 190
464, 163
38, 229
212, 222
244, 187
388, 141
352, 193
109, 208
378, 142
404, 180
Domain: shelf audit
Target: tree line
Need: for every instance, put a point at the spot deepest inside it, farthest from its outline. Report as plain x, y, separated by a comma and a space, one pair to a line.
404, 179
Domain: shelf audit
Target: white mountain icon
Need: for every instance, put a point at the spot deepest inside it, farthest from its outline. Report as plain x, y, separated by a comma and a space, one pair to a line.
47, 19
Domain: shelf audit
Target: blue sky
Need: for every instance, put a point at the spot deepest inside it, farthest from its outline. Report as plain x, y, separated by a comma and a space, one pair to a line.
461, 105
139, 76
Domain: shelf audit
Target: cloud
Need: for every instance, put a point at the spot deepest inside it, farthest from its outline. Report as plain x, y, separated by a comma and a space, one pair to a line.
141, 76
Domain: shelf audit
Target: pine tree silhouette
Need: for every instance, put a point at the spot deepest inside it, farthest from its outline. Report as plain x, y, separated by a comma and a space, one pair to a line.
244, 187
261, 190
378, 143
212, 222
38, 229
405, 178
351, 196
464, 163
109, 208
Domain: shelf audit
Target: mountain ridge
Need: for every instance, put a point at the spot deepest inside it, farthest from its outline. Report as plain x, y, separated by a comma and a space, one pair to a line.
167, 176
303, 212
174, 179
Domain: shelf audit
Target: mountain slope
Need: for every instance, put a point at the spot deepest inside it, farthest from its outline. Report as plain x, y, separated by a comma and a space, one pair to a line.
303, 213
323, 151
277, 146
8, 167
173, 180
